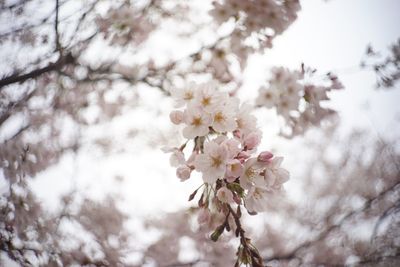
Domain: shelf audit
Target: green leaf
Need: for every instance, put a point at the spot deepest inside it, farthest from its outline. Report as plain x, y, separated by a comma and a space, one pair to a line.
217, 233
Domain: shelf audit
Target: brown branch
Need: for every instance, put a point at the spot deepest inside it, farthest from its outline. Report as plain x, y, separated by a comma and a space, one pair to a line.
58, 45
249, 250
17, 78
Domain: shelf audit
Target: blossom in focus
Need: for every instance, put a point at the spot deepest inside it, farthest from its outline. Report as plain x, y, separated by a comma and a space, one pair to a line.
256, 199
252, 174
183, 96
197, 122
234, 169
212, 163
224, 119
246, 123
207, 98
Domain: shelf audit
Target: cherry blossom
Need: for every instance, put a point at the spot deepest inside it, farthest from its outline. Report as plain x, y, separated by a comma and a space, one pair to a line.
225, 139
197, 122
297, 99
212, 163
183, 96
252, 174
256, 199
225, 195
275, 175
234, 169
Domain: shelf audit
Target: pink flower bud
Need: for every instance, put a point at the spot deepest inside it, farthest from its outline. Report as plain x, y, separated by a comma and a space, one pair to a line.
183, 172
204, 216
252, 140
265, 156
243, 155
237, 134
176, 117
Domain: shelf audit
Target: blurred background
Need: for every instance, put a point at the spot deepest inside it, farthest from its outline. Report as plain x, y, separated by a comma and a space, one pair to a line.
84, 113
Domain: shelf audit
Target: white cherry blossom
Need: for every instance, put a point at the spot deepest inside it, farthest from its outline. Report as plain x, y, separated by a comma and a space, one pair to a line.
252, 174
256, 199
246, 122
234, 169
232, 145
275, 175
183, 96
197, 122
212, 163
224, 119
208, 99
267, 97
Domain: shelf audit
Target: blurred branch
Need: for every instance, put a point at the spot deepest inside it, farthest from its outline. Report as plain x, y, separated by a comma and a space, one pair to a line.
379, 259
42, 22
17, 78
58, 45
327, 231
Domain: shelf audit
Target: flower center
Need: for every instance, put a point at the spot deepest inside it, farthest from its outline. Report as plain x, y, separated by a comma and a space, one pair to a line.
240, 123
206, 101
196, 121
257, 194
219, 117
188, 96
251, 173
234, 167
216, 161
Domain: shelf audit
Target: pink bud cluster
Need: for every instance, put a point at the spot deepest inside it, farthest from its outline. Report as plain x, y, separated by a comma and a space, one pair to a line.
225, 138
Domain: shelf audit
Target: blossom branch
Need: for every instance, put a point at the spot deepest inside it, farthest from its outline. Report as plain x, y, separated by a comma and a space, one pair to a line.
247, 249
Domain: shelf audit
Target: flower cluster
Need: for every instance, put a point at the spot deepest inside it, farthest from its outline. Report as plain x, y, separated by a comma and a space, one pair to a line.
269, 17
125, 24
254, 26
225, 138
296, 99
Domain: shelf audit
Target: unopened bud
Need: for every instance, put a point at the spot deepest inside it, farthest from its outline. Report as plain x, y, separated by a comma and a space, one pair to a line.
252, 140
243, 155
237, 134
265, 156
176, 117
